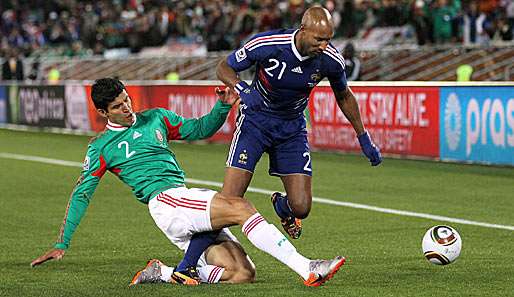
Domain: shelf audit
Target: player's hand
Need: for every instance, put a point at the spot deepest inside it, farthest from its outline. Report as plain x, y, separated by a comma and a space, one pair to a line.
370, 149
227, 95
249, 96
56, 254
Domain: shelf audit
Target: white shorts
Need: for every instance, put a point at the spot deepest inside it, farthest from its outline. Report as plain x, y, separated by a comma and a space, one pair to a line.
182, 212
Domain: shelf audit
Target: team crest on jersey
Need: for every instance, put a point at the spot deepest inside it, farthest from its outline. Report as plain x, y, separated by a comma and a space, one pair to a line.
243, 157
85, 166
159, 136
241, 54
316, 76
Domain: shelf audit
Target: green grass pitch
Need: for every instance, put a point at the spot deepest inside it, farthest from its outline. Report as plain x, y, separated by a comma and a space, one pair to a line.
117, 235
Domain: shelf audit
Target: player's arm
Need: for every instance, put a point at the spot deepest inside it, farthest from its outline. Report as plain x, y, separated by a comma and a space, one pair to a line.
93, 170
227, 74
180, 128
348, 105
228, 69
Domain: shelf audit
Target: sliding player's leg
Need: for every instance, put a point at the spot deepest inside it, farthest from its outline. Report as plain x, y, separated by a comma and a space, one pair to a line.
227, 211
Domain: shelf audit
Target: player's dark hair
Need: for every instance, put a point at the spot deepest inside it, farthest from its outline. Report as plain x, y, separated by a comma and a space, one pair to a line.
105, 90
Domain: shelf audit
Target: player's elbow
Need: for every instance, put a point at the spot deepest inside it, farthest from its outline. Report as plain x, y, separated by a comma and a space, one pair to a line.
221, 68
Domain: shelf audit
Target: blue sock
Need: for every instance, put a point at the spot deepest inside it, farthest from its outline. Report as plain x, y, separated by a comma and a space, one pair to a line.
282, 207
199, 243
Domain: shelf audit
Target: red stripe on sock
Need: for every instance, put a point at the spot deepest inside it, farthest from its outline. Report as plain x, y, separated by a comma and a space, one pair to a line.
218, 271
214, 274
256, 221
250, 224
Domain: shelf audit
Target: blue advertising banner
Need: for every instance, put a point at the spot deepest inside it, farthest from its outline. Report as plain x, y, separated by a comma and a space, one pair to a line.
477, 124
3, 105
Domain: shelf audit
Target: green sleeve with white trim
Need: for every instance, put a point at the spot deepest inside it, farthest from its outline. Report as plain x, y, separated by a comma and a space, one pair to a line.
196, 128
93, 170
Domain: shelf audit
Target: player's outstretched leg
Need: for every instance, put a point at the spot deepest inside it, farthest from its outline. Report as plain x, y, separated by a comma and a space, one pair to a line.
323, 270
150, 274
291, 225
188, 277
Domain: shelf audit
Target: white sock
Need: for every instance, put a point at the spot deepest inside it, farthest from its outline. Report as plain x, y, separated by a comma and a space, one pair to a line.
210, 274
166, 272
267, 238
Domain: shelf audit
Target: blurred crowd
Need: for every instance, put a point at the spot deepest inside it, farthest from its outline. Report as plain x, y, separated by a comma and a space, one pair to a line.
83, 28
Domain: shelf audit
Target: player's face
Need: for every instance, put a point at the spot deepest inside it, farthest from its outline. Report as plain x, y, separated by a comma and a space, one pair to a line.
316, 39
120, 110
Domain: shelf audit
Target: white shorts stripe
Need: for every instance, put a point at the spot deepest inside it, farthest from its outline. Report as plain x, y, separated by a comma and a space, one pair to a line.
235, 139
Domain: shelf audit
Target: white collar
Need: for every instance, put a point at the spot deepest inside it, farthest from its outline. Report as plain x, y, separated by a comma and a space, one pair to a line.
295, 50
116, 127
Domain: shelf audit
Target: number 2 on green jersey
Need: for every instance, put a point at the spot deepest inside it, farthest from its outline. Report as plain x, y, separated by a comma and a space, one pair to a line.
128, 154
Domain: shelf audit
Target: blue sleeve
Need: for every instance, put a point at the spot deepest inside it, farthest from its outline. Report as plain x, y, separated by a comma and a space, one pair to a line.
338, 80
335, 73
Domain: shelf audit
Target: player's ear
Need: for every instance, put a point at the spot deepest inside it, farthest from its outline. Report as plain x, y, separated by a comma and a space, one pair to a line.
102, 112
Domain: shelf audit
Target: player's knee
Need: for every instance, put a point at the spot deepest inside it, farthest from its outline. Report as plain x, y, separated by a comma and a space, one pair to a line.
243, 208
300, 209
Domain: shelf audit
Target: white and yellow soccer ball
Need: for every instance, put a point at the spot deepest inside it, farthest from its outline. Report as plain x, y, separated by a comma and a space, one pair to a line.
441, 245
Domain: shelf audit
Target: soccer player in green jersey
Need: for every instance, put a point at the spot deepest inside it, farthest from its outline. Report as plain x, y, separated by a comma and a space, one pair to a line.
135, 147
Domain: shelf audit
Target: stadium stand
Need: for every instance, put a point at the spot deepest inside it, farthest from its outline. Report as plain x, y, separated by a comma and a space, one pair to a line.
146, 40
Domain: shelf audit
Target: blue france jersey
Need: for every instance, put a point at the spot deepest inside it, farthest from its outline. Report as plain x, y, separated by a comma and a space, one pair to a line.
283, 77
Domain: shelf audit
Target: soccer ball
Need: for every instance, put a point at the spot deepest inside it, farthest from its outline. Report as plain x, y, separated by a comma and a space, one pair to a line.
441, 245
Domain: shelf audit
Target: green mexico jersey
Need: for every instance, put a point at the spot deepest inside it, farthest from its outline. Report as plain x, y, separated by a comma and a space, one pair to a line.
140, 156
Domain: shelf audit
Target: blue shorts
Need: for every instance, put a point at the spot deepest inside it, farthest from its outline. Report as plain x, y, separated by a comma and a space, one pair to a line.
284, 140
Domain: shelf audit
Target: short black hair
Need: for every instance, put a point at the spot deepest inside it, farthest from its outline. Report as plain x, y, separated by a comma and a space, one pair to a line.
104, 91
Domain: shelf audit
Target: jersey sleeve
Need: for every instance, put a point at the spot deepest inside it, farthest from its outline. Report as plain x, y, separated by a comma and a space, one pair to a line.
180, 128
93, 169
336, 69
244, 57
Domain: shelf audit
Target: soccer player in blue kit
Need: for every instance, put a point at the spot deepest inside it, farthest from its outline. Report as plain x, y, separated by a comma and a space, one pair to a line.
289, 64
